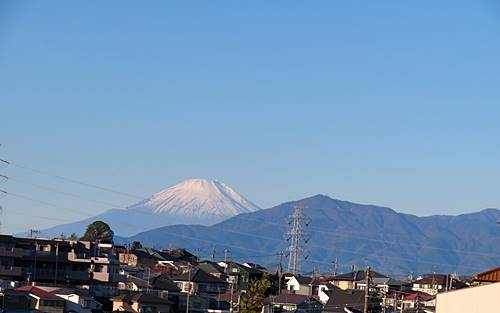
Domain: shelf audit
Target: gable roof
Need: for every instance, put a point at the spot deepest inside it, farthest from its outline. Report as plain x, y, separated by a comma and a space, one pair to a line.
285, 298
339, 299
357, 275
141, 283
435, 279
40, 293
199, 276
141, 298
211, 267
418, 295
164, 283
303, 280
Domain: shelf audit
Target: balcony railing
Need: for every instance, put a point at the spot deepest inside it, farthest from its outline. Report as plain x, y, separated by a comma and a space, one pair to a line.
11, 271
11, 252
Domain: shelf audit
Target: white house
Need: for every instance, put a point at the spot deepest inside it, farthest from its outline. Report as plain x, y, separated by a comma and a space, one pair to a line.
300, 285
78, 301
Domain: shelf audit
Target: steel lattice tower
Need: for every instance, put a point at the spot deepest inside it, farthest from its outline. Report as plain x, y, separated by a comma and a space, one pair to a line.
297, 237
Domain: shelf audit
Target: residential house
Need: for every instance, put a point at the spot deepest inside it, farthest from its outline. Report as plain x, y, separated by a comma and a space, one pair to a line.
200, 281
324, 288
239, 275
434, 283
77, 300
291, 303
137, 284
417, 300
349, 300
381, 284
301, 285
357, 280
16, 301
164, 283
141, 302
179, 255
42, 300
164, 261
213, 269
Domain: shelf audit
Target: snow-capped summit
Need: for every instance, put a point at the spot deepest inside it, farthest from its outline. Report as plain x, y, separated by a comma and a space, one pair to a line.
191, 202
197, 198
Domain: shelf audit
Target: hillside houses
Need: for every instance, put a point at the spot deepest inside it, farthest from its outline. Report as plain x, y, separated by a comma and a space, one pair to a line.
107, 278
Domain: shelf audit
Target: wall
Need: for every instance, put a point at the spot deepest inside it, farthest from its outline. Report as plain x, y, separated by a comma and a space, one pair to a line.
481, 299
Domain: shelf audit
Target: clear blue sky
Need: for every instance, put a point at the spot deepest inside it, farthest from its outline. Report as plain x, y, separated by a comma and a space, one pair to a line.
394, 103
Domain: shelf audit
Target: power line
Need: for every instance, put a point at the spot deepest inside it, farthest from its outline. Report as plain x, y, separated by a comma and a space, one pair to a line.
385, 242
245, 234
111, 205
311, 229
71, 180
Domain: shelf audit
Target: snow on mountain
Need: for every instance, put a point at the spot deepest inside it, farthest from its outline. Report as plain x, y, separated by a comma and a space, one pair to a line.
197, 197
194, 201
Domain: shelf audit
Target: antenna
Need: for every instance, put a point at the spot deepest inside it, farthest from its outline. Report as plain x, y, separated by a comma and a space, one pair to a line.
34, 232
297, 238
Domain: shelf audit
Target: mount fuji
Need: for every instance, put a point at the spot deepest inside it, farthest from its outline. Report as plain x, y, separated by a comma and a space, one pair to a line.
191, 202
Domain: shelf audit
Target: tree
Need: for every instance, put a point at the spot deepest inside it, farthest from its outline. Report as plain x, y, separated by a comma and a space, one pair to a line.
73, 236
256, 293
135, 245
98, 231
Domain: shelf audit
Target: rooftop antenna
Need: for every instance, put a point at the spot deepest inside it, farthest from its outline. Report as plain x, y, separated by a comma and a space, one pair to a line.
34, 232
297, 237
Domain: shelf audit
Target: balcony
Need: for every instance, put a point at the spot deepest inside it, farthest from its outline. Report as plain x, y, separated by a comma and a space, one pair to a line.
11, 252
10, 271
62, 275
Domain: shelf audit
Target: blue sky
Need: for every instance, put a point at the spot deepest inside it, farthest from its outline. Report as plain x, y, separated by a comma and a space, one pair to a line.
387, 102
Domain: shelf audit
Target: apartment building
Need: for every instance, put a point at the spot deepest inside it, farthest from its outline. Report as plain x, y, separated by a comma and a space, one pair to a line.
58, 261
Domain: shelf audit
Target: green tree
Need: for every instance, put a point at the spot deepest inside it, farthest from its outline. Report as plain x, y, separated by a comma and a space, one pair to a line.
135, 245
98, 231
256, 293
73, 236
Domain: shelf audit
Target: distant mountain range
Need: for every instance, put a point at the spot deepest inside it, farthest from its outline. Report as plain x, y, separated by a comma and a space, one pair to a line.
193, 201
352, 233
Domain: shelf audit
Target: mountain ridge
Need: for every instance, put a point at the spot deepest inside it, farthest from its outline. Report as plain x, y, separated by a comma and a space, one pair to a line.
354, 233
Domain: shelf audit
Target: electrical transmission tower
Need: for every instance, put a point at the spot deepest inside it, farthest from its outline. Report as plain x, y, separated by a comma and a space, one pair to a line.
297, 237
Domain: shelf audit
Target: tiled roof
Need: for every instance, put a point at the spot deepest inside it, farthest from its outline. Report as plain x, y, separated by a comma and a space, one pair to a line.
199, 276
418, 295
141, 283
142, 298
162, 282
40, 293
287, 299
344, 298
357, 275
491, 275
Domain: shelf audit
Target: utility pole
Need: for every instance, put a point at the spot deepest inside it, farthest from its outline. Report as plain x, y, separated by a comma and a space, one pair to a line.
57, 261
189, 289
280, 270
213, 253
335, 266
384, 302
225, 261
367, 289
401, 304
297, 237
